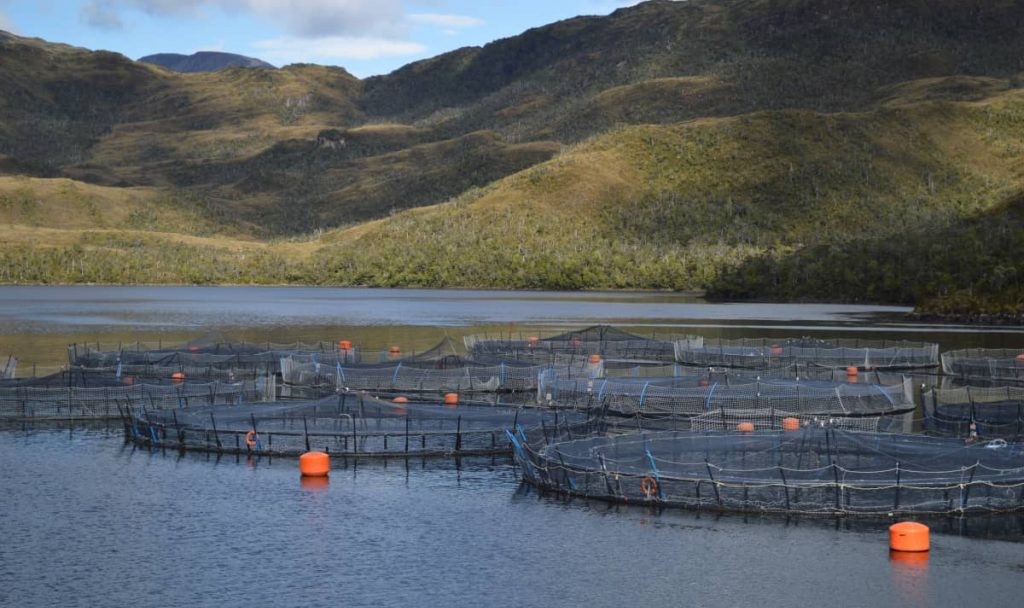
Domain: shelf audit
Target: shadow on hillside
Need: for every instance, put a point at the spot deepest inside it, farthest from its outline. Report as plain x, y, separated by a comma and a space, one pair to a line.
958, 268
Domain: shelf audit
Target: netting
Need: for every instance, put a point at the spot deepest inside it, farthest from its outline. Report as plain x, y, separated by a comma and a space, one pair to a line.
776, 420
995, 411
768, 352
811, 470
345, 424
75, 403
659, 397
742, 375
450, 373
988, 363
106, 355
85, 377
10, 368
608, 342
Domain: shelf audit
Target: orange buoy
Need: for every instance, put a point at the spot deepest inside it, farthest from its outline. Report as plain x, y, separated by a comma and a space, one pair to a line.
251, 438
595, 359
745, 427
344, 345
394, 350
178, 377
852, 371
193, 348
314, 464
908, 536
776, 350
790, 424
1020, 359
129, 380
400, 399
451, 399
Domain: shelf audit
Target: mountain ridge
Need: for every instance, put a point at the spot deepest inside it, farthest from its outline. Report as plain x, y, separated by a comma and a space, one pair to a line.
203, 61
409, 178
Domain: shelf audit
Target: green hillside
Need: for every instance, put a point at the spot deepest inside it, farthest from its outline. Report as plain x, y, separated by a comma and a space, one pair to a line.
779, 149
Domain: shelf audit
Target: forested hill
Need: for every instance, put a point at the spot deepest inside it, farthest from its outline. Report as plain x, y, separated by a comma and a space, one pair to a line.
753, 148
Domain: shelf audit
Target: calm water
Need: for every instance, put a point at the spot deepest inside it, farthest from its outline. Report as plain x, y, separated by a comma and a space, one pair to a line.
88, 521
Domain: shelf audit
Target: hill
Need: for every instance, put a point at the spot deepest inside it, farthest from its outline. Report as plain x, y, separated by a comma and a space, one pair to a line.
203, 61
753, 148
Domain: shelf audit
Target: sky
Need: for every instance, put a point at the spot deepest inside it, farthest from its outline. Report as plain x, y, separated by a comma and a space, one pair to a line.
367, 37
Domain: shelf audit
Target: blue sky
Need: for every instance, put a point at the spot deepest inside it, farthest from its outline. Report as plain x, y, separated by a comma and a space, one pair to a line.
365, 36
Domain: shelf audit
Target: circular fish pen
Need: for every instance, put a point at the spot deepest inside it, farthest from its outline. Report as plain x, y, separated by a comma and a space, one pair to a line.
32, 403
664, 398
346, 425
606, 341
448, 374
835, 353
993, 411
997, 364
805, 471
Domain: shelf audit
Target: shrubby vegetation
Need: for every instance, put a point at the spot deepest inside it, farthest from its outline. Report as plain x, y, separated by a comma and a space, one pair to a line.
752, 148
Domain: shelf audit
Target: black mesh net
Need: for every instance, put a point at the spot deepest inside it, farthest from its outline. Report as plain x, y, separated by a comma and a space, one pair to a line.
768, 352
974, 411
345, 424
808, 470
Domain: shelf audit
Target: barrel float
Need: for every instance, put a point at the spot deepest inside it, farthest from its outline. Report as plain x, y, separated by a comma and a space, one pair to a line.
909, 536
595, 359
178, 377
790, 424
344, 344
314, 464
451, 399
852, 372
400, 400
745, 427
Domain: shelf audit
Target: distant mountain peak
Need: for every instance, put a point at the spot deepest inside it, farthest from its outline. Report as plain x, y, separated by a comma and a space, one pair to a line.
203, 61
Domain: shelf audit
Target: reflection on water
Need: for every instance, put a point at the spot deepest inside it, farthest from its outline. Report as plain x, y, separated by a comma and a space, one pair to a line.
37, 323
96, 522
86, 520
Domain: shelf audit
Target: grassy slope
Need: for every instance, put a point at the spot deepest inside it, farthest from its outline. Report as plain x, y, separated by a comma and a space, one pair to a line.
688, 205
797, 136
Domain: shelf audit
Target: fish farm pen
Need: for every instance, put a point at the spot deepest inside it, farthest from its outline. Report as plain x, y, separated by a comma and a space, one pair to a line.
107, 402
766, 352
994, 411
659, 397
808, 470
455, 374
985, 363
803, 425
608, 342
345, 425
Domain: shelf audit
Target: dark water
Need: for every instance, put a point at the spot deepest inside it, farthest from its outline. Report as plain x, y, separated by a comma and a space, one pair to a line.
88, 521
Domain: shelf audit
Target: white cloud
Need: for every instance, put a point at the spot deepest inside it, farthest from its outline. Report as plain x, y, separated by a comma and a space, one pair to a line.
100, 14
306, 18
446, 21
288, 49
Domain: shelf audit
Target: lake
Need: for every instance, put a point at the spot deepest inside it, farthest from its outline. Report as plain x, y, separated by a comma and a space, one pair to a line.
86, 520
